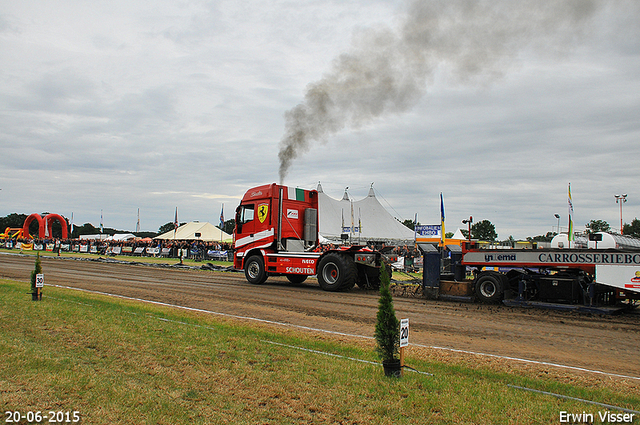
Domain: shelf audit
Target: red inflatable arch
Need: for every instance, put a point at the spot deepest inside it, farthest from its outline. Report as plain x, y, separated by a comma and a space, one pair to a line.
27, 222
46, 221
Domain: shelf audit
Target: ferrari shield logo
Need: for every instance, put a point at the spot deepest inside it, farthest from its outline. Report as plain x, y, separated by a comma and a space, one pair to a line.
263, 211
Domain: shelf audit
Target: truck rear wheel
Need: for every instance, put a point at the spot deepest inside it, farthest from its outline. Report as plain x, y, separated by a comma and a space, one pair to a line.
337, 272
490, 288
254, 270
296, 278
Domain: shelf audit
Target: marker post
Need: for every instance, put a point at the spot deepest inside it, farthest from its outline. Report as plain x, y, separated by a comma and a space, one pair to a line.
404, 341
37, 296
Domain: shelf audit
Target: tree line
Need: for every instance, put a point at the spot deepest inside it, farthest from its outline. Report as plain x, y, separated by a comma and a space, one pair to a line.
16, 220
482, 230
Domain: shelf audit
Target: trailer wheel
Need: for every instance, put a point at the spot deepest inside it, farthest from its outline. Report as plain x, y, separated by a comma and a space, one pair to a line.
254, 270
336, 272
296, 278
490, 288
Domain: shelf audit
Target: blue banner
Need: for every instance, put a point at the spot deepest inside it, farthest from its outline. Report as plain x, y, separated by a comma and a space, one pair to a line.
428, 230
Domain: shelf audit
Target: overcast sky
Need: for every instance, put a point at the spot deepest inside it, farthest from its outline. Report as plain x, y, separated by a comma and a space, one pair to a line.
121, 105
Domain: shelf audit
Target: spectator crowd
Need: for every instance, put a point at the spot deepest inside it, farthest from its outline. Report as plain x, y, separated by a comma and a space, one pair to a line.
197, 250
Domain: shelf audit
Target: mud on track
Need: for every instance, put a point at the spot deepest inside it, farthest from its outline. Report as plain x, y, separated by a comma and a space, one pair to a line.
607, 344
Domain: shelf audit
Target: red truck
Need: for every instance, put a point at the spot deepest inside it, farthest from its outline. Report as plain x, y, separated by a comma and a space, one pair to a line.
276, 234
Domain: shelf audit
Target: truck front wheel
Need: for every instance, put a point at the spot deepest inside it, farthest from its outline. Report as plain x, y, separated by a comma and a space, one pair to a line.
336, 272
254, 270
489, 288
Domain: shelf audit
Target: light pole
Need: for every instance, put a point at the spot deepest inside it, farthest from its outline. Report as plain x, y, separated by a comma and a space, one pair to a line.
621, 199
469, 223
558, 217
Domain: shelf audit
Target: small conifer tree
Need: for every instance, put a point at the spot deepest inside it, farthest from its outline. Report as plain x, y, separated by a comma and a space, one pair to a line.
387, 332
36, 271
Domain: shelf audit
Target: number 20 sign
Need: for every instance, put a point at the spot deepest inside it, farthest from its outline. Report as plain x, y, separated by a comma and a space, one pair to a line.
404, 332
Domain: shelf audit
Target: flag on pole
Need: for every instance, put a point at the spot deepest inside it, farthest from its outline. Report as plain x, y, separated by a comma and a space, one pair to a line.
221, 222
138, 223
101, 222
442, 219
175, 223
415, 229
72, 222
570, 238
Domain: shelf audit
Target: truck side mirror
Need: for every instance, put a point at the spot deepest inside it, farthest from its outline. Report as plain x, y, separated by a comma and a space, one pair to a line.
238, 221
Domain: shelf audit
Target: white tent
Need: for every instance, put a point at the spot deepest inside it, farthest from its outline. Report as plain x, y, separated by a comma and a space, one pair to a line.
122, 237
363, 220
458, 235
197, 231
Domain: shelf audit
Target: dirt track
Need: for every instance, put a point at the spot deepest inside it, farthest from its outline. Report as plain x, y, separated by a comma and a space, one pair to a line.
608, 344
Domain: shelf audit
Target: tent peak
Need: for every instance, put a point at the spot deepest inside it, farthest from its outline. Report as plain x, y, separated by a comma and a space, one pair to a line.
319, 188
371, 192
345, 197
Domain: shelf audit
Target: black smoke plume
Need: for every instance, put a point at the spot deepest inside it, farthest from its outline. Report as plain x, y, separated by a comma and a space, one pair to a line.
387, 70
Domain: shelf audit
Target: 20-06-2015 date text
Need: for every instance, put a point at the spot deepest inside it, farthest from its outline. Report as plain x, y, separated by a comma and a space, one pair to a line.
51, 416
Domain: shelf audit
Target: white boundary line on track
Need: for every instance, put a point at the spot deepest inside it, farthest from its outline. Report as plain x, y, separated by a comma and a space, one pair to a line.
434, 347
566, 397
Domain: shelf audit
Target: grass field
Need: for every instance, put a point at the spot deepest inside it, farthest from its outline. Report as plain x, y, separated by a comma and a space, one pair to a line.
118, 361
